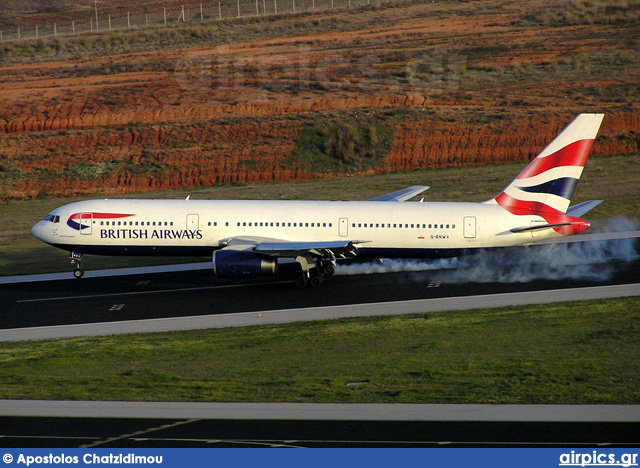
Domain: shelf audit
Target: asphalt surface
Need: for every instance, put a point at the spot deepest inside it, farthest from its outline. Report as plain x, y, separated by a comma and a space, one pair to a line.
218, 433
193, 293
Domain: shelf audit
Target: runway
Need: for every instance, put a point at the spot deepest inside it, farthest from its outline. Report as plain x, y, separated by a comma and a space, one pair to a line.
147, 425
183, 297
242, 319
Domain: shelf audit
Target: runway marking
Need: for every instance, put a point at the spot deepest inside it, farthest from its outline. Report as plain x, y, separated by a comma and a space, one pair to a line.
144, 431
139, 293
335, 442
116, 307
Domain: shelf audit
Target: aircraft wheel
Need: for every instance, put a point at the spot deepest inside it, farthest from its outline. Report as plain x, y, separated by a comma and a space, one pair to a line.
301, 282
316, 281
78, 273
328, 270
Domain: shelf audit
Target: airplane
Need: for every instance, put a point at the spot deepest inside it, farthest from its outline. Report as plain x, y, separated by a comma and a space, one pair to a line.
305, 239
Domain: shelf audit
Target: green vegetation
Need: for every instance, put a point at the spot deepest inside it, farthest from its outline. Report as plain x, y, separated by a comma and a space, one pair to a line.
9, 173
584, 352
344, 147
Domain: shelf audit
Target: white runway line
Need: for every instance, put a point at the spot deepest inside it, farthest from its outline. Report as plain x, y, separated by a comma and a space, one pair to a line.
106, 273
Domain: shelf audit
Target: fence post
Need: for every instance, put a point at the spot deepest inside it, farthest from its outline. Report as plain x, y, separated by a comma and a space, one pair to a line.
313, 4
331, 3
238, 2
18, 33
164, 15
219, 10
128, 20
257, 8
201, 13
55, 29
264, 6
275, 6
95, 3
294, 4
73, 27
109, 22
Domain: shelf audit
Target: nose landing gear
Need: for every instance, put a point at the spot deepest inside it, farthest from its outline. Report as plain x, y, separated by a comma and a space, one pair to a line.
76, 258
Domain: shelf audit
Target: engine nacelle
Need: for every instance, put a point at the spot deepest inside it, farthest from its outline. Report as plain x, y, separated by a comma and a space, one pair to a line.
242, 264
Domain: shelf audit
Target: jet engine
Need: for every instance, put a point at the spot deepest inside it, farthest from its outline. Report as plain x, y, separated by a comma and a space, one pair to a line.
242, 264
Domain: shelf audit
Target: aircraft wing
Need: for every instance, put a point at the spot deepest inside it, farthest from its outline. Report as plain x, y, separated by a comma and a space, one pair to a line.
402, 195
291, 249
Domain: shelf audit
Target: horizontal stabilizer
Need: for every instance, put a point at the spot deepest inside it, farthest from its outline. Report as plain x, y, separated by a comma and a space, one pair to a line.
545, 226
402, 195
582, 208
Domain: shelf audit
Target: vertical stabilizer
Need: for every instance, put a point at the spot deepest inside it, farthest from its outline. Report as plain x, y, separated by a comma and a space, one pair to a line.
547, 184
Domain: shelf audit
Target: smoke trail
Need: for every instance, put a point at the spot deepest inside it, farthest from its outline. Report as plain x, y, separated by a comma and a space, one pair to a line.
576, 260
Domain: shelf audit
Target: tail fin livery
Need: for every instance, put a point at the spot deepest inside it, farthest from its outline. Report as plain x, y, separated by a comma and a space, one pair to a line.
547, 184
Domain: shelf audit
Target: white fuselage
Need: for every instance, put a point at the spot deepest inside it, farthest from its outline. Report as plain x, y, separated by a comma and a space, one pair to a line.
198, 227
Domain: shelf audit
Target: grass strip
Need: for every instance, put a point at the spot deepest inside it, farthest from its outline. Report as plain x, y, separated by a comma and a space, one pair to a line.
564, 353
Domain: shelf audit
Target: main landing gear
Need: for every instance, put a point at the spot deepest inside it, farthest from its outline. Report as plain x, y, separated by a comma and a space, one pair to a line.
314, 273
76, 258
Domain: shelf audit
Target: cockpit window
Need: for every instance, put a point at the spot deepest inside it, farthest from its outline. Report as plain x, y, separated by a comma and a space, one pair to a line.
52, 218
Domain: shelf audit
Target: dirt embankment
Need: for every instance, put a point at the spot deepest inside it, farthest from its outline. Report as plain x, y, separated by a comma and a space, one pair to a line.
211, 114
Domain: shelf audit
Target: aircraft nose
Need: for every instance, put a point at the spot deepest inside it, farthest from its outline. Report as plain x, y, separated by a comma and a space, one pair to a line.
38, 231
